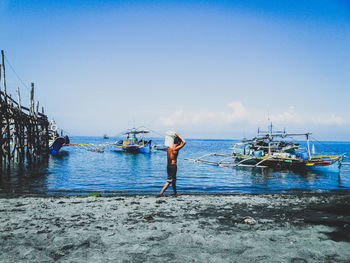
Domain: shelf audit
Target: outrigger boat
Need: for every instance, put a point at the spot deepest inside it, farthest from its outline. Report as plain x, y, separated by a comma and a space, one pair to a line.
132, 144
56, 140
270, 149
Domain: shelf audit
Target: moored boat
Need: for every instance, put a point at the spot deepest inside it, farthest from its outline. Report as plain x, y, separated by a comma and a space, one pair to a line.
272, 149
56, 138
133, 144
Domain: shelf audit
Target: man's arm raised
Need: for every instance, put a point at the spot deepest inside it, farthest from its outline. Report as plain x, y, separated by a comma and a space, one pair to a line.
183, 142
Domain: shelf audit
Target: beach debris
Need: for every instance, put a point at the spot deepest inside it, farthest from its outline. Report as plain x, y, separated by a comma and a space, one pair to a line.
249, 220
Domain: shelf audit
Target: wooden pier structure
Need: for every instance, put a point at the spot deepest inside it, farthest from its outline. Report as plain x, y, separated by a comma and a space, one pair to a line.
24, 131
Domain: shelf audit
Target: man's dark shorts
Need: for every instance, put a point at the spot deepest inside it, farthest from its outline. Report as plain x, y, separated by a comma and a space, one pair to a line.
171, 169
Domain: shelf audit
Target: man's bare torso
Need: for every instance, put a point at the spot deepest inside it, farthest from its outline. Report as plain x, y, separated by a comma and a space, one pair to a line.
172, 155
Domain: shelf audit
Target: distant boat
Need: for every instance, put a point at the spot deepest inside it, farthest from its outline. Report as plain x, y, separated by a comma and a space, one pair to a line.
56, 139
133, 144
105, 136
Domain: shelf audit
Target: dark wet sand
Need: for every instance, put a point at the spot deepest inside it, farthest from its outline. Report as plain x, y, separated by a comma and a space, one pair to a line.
190, 228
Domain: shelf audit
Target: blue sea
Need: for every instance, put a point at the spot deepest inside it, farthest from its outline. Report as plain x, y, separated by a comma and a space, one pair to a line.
75, 170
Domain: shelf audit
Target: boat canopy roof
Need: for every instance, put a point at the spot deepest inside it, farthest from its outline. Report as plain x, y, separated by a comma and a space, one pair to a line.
136, 131
270, 133
281, 135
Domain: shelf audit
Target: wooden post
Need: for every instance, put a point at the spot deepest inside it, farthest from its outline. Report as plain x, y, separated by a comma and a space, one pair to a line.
5, 113
20, 130
3, 70
1, 122
30, 130
31, 99
19, 99
37, 109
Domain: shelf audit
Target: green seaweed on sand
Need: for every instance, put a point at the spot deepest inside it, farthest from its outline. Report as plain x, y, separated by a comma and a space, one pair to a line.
97, 194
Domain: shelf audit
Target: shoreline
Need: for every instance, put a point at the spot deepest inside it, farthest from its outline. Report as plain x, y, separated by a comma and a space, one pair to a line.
168, 193
303, 227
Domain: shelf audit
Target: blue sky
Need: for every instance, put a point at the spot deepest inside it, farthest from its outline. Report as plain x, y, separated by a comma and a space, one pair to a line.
208, 69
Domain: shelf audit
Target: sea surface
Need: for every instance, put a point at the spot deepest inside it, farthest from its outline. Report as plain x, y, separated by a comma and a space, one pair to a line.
76, 170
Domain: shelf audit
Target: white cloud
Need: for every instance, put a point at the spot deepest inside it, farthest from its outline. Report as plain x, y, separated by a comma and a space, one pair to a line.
238, 108
289, 116
176, 117
330, 119
236, 113
187, 118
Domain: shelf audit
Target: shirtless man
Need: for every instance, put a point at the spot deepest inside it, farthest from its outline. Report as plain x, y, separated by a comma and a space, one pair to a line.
173, 151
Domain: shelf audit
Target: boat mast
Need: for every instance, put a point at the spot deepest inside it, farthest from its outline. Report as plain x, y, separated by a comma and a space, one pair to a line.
308, 145
270, 139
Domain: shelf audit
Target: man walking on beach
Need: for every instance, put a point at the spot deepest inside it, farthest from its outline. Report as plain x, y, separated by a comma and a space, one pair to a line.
172, 153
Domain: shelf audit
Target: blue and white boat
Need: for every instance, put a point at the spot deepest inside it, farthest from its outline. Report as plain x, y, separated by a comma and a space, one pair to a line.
133, 144
56, 138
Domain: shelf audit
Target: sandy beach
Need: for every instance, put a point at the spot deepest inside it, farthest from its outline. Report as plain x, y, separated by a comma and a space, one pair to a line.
189, 228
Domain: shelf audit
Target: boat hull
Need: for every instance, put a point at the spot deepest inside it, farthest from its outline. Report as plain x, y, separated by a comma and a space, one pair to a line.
56, 144
136, 149
131, 149
146, 149
330, 165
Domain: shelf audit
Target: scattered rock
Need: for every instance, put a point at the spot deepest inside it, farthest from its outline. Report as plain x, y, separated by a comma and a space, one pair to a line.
86, 243
57, 256
44, 231
298, 260
249, 220
102, 228
148, 218
67, 247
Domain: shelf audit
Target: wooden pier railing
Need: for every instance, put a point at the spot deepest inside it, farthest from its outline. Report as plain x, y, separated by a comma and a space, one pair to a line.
24, 131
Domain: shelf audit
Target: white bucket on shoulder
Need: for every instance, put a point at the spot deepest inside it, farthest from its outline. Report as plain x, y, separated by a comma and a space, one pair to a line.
169, 138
